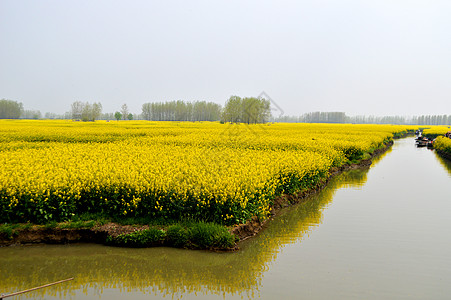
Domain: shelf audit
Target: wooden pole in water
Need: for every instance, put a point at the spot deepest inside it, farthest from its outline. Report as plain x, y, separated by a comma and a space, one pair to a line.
33, 289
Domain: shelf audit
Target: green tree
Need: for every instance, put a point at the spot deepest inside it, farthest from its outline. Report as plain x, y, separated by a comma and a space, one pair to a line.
117, 116
181, 111
247, 110
130, 116
232, 110
10, 109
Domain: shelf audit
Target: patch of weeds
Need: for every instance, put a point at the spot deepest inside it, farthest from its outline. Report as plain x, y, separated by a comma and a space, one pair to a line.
142, 238
132, 220
366, 156
51, 225
26, 226
210, 235
90, 216
7, 230
11, 230
77, 225
177, 236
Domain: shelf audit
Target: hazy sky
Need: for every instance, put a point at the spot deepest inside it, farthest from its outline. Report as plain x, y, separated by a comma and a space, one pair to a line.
362, 57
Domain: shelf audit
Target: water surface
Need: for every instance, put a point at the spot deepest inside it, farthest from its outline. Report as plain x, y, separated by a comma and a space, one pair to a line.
377, 233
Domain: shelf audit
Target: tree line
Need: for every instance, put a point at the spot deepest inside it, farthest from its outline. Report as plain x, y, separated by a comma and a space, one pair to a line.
341, 117
10, 109
181, 111
248, 110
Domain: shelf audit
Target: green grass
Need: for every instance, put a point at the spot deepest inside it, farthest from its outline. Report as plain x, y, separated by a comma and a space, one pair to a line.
193, 235
188, 234
10, 230
142, 238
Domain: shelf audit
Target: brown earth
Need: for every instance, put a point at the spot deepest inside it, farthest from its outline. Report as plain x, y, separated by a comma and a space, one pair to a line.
39, 234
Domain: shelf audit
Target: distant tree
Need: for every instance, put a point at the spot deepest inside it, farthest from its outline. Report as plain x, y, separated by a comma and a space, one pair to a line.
96, 111
86, 111
31, 114
124, 111
10, 109
130, 116
147, 111
107, 116
181, 111
117, 116
77, 110
232, 110
247, 110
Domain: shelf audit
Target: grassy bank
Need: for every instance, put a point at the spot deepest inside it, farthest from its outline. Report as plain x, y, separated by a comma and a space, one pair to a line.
190, 235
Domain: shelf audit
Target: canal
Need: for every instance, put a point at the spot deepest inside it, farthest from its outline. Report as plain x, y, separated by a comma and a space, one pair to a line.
377, 233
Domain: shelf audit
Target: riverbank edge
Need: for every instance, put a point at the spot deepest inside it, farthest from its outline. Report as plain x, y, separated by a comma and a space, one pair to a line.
444, 154
101, 234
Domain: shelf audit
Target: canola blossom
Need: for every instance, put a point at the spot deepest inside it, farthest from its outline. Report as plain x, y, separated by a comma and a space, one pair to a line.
435, 131
224, 173
443, 144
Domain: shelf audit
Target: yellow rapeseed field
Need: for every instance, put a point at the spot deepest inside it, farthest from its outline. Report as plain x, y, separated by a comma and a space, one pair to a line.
225, 173
443, 144
434, 131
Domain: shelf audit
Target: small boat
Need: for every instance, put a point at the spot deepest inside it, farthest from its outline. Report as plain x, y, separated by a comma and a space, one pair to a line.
421, 141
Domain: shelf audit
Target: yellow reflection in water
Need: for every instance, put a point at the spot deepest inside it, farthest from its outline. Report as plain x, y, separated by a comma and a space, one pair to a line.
166, 271
444, 162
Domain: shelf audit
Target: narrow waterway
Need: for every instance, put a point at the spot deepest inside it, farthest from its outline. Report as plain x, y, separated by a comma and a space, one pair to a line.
377, 233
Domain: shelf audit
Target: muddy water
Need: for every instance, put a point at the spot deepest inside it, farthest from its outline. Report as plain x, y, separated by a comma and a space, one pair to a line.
378, 233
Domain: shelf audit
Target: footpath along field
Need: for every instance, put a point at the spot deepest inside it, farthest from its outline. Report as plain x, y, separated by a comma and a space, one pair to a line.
163, 172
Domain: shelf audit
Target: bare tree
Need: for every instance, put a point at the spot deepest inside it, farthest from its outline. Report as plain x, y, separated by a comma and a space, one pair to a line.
124, 111
86, 111
77, 110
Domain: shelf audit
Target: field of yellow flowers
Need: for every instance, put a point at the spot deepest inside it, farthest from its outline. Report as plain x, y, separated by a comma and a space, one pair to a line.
435, 131
441, 143
223, 173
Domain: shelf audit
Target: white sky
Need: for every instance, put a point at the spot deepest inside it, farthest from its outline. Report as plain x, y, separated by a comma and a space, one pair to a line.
362, 57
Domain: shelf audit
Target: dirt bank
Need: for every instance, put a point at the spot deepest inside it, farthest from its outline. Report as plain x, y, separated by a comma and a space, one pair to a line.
38, 234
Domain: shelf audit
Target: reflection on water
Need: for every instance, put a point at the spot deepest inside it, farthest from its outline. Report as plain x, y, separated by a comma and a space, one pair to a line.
446, 163
165, 271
